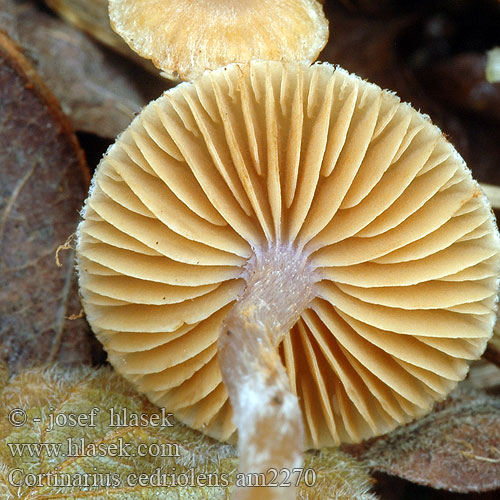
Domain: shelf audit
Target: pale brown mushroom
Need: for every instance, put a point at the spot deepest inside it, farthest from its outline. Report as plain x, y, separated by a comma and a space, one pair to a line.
284, 213
185, 38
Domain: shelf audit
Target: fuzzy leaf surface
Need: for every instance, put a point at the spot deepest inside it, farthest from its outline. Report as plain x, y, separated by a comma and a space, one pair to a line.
186, 455
457, 447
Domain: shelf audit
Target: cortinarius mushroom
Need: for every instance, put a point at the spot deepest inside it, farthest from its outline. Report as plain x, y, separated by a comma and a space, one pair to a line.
276, 215
184, 38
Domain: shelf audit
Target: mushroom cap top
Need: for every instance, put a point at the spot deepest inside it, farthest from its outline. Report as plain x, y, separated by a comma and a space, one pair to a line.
298, 158
184, 38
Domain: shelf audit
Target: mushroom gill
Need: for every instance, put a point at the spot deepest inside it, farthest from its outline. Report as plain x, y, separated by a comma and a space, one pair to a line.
350, 204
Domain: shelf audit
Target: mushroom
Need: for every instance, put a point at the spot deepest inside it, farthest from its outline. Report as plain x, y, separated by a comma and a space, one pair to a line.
185, 38
289, 252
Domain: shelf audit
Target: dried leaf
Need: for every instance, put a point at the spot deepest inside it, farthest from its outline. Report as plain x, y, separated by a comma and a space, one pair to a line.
43, 180
483, 375
457, 447
99, 90
492, 353
87, 451
92, 17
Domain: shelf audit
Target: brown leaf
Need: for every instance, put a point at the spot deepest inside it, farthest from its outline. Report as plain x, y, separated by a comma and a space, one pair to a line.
483, 375
43, 181
492, 353
457, 447
91, 16
98, 89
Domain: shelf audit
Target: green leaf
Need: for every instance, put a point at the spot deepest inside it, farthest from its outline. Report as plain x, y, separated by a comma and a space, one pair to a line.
44, 458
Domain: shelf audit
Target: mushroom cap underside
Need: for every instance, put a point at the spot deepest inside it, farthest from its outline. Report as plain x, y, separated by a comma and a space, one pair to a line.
312, 159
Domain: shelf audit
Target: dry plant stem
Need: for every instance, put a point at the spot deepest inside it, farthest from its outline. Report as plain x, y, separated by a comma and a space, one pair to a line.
266, 412
492, 354
493, 194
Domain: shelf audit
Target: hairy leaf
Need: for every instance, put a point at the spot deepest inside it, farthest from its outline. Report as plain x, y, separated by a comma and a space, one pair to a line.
43, 181
457, 447
83, 460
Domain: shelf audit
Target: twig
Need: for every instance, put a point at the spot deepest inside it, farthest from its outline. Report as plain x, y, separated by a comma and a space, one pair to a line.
492, 355
493, 194
68, 245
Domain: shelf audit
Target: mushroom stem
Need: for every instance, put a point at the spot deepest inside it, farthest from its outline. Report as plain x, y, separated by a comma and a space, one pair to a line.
266, 411
493, 194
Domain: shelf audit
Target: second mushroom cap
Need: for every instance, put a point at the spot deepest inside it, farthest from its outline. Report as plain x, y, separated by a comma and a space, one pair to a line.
185, 38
